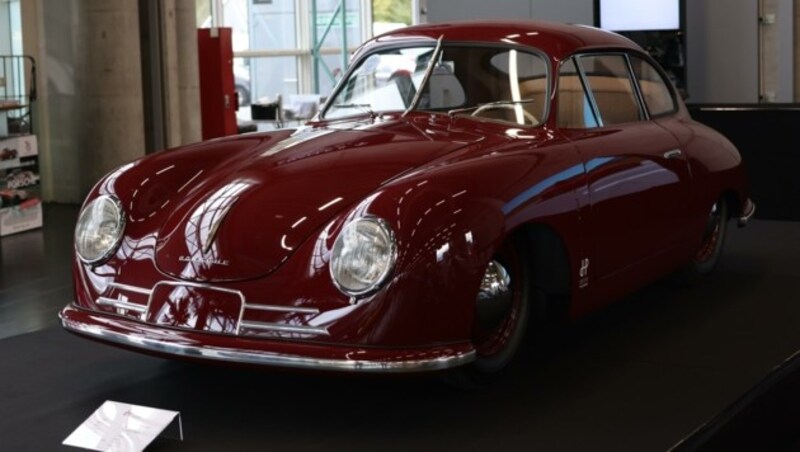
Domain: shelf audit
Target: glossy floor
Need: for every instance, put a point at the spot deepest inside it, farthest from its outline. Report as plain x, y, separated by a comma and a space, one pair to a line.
638, 376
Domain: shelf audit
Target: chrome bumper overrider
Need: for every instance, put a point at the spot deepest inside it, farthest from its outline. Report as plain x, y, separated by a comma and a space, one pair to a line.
169, 342
747, 213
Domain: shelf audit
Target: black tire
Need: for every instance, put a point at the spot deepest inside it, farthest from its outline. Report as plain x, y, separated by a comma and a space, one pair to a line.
497, 349
705, 260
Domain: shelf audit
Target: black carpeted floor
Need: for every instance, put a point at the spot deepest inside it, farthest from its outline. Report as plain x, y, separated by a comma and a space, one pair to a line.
639, 376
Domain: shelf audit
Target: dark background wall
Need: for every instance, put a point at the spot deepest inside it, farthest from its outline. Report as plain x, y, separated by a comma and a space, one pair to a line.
767, 138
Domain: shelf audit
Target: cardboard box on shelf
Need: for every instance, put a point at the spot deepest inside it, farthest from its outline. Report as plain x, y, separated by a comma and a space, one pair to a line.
23, 217
22, 145
20, 194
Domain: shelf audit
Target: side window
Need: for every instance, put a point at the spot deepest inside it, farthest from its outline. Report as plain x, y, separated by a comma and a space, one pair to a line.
655, 90
574, 109
612, 88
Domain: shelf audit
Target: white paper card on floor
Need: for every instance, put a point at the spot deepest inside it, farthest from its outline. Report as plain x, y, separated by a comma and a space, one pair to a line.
122, 427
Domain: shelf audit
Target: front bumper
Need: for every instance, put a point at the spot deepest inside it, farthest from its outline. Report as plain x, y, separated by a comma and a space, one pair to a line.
747, 213
158, 340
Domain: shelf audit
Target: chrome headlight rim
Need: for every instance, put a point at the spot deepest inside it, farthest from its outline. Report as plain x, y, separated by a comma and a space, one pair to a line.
120, 218
379, 282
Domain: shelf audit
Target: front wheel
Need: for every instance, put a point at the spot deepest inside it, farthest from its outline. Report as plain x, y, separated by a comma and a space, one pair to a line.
505, 307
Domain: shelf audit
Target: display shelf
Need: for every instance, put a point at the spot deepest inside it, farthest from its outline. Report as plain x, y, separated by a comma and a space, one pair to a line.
20, 185
20, 182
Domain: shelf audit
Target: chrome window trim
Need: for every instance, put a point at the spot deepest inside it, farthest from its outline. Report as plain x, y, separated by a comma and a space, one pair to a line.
631, 79
667, 82
587, 90
644, 110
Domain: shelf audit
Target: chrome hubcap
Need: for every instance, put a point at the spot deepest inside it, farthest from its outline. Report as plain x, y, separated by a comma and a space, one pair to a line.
494, 297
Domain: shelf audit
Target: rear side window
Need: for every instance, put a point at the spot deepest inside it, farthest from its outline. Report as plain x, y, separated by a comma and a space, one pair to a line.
655, 91
611, 87
574, 108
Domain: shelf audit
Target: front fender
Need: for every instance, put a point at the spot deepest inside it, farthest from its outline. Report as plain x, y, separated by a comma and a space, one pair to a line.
448, 222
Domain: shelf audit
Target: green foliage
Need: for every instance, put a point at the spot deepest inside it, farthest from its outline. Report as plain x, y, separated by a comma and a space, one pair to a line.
391, 11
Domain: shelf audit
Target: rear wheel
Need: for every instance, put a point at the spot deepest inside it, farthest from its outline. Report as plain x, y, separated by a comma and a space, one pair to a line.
504, 307
708, 255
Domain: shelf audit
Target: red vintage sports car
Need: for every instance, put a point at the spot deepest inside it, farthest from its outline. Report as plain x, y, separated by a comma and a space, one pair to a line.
521, 169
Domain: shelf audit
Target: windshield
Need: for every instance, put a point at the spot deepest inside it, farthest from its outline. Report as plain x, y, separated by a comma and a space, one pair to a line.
494, 83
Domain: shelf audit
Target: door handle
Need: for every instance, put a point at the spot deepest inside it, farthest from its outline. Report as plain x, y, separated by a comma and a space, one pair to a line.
673, 154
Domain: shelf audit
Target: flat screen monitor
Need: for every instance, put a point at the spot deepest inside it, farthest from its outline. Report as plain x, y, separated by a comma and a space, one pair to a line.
640, 15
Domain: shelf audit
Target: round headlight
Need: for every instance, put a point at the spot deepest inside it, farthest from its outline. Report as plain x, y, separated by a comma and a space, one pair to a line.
99, 229
363, 256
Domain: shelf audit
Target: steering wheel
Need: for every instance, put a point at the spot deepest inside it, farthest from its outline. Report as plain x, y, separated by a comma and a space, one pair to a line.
528, 116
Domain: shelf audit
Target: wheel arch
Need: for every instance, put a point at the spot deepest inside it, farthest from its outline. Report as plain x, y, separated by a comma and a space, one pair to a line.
731, 198
549, 264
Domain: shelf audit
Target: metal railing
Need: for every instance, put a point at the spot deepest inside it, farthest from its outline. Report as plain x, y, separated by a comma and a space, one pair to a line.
18, 90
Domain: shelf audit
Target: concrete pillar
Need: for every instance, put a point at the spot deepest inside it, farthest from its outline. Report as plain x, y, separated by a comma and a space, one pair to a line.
33, 45
169, 73
89, 113
111, 95
796, 26
188, 71
768, 51
180, 72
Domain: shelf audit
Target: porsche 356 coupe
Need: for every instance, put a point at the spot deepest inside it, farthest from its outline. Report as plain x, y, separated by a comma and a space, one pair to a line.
462, 182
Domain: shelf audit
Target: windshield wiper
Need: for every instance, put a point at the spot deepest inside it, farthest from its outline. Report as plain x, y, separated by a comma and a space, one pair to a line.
491, 104
367, 108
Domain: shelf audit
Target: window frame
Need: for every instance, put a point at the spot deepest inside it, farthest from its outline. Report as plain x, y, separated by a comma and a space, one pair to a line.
643, 113
642, 104
661, 73
586, 92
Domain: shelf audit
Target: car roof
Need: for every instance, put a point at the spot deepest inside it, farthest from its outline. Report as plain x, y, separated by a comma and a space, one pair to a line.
556, 39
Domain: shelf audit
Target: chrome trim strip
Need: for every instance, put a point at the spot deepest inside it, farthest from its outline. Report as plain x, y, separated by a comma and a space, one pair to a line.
254, 325
274, 308
144, 309
785, 107
673, 154
117, 303
128, 288
266, 358
744, 219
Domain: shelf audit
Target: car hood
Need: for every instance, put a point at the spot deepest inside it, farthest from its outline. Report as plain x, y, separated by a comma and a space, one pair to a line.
236, 209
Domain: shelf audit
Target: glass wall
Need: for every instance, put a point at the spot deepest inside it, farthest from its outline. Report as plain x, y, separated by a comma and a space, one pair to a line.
274, 42
272, 27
